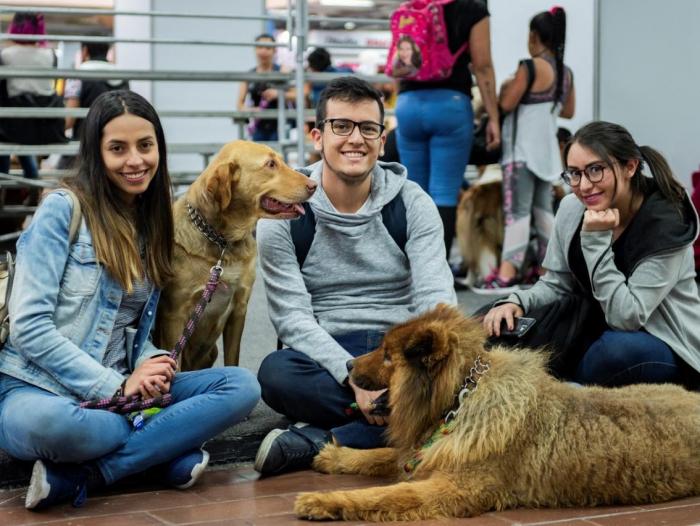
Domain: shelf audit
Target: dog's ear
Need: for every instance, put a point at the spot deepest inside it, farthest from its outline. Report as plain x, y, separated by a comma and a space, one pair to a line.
220, 184
427, 346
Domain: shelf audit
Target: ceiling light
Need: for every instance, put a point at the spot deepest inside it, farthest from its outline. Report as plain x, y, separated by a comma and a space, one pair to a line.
350, 4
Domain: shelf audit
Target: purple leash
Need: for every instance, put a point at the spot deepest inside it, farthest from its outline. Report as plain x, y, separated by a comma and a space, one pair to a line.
129, 404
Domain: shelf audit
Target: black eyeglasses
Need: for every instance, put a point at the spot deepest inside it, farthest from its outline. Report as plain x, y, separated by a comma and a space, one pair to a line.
593, 172
345, 127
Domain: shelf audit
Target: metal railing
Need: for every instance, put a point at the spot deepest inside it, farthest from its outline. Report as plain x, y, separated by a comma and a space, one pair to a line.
296, 22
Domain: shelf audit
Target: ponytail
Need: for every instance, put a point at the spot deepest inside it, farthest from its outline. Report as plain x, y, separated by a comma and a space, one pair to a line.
558, 42
550, 27
661, 172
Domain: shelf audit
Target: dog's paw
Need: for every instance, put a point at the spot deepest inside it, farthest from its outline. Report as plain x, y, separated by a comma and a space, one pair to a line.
317, 506
329, 460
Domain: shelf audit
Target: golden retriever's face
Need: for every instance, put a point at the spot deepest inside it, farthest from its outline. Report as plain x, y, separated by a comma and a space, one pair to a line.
422, 362
253, 178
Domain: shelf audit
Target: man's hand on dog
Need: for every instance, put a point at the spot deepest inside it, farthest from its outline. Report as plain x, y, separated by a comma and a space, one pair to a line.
365, 402
494, 317
152, 378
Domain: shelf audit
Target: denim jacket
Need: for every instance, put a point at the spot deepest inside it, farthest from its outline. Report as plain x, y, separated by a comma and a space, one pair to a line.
63, 308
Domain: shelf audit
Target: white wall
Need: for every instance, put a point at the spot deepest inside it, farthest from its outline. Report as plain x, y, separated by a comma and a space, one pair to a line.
650, 74
134, 56
510, 25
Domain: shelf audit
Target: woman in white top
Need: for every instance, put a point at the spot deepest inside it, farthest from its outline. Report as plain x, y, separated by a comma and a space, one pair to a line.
531, 160
24, 54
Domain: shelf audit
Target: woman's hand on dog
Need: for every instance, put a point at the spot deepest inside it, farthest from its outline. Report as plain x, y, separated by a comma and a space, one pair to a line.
494, 318
152, 378
365, 403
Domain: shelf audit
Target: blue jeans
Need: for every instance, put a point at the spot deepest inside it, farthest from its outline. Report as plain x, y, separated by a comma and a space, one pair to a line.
264, 135
301, 389
205, 403
629, 357
435, 132
27, 162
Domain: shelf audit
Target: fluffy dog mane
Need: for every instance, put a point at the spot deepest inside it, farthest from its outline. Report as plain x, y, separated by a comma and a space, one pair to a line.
430, 368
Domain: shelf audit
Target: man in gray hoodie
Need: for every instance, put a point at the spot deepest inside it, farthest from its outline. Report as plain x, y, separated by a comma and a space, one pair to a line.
354, 283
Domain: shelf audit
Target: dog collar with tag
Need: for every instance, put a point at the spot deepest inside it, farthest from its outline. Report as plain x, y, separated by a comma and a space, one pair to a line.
448, 421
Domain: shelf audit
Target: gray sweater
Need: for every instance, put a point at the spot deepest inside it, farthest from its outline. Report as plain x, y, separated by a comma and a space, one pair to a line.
660, 295
355, 277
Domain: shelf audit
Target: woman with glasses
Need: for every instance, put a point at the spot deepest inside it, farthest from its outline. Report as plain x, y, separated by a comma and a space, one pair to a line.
624, 241
531, 160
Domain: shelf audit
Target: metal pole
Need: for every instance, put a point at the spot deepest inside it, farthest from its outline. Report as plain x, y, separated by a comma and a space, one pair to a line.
302, 29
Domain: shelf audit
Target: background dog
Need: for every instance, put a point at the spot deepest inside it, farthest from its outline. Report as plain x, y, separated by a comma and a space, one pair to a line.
518, 437
244, 182
480, 229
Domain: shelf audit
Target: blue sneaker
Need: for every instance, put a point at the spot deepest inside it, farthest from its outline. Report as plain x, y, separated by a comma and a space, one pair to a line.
54, 484
183, 471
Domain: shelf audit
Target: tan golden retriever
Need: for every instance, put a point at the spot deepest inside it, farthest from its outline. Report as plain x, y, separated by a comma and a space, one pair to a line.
519, 438
244, 182
480, 229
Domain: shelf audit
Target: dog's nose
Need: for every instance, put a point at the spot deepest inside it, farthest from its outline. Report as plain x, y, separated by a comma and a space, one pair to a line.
311, 187
349, 364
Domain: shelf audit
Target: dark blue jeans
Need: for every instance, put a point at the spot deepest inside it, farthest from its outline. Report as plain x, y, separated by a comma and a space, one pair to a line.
27, 162
630, 357
301, 389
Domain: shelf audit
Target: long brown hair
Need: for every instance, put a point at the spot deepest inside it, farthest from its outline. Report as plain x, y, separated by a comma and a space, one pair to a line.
117, 232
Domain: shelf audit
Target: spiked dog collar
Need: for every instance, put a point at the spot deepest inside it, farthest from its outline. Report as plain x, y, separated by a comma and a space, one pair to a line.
206, 229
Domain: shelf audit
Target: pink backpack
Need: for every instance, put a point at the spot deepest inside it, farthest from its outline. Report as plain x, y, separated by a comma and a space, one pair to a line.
419, 47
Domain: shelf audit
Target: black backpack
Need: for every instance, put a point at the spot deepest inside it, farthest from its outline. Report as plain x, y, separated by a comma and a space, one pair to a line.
304, 228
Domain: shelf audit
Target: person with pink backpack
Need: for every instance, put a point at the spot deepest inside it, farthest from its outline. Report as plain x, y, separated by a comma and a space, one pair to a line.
448, 38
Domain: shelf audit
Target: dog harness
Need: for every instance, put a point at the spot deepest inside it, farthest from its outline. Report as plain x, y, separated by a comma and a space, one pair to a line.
449, 420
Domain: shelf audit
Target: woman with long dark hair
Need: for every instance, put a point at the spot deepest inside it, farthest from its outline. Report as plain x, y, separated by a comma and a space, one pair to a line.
623, 241
531, 160
81, 314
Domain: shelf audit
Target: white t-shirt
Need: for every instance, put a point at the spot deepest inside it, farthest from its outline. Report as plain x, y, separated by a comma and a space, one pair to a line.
22, 56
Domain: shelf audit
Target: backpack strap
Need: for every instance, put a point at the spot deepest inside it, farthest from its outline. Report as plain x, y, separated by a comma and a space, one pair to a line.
530, 65
304, 228
303, 231
76, 215
394, 219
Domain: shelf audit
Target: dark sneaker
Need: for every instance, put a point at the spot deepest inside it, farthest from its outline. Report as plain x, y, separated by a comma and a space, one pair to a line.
184, 471
494, 284
54, 484
289, 449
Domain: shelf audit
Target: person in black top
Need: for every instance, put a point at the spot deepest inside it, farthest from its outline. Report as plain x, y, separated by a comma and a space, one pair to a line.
435, 122
262, 95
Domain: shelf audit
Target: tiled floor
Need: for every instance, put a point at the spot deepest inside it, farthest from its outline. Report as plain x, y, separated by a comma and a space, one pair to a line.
235, 496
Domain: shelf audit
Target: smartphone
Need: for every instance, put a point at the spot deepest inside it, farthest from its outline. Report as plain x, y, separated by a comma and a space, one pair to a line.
522, 325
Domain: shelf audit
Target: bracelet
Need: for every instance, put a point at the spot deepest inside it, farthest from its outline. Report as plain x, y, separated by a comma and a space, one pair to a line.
120, 391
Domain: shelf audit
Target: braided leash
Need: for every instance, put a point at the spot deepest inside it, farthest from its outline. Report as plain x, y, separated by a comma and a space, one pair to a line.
129, 404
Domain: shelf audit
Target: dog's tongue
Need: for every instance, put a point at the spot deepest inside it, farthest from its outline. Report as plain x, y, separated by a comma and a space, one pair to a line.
273, 205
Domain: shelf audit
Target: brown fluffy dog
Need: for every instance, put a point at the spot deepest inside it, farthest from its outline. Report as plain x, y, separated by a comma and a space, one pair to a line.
480, 229
520, 437
244, 182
